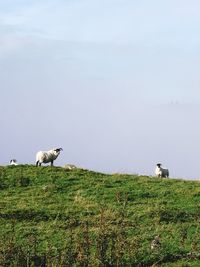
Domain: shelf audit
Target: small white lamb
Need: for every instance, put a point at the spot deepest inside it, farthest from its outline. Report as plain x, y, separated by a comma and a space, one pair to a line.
47, 156
161, 172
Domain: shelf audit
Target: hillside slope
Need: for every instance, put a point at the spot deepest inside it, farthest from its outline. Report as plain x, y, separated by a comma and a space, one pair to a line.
54, 217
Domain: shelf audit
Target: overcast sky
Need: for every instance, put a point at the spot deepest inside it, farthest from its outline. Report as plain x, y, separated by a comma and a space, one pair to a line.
115, 83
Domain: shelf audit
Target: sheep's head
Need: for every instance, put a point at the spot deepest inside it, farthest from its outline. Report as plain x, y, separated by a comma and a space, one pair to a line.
13, 160
57, 151
159, 165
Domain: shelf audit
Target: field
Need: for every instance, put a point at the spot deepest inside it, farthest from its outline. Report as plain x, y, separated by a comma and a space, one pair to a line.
50, 216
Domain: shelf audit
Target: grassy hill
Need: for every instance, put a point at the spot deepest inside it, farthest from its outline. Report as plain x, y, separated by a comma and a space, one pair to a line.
55, 217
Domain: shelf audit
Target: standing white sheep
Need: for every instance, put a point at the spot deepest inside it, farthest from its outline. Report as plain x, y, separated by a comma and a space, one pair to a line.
161, 172
47, 156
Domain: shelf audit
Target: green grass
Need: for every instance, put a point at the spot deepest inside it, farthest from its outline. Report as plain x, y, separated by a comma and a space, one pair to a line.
55, 217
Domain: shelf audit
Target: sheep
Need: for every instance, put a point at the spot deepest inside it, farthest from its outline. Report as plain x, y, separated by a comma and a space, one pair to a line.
161, 172
13, 162
47, 156
70, 167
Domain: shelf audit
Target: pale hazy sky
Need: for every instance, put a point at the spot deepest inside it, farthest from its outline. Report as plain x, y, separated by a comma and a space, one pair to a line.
114, 82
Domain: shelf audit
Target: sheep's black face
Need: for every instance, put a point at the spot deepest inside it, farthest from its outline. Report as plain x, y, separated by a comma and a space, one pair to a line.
57, 151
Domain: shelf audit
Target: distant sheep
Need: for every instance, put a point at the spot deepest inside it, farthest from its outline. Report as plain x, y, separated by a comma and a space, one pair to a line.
13, 162
70, 167
161, 172
47, 156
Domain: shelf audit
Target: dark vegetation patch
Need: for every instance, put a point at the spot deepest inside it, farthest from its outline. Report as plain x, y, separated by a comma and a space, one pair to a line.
31, 215
176, 216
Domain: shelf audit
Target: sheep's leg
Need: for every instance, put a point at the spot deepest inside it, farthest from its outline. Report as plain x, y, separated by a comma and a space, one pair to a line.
37, 163
52, 163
